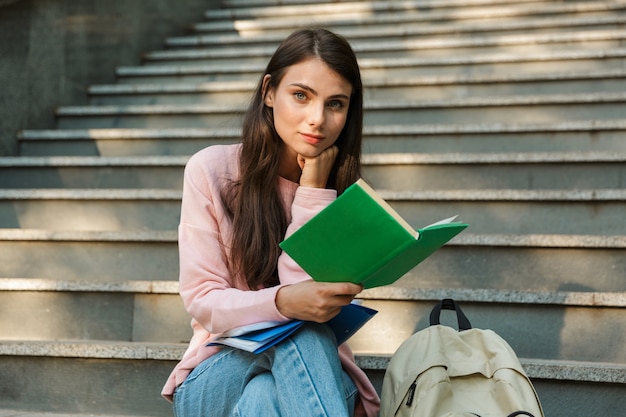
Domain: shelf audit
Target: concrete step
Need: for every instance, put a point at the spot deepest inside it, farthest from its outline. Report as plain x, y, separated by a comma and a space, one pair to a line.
591, 212
589, 387
90, 209
597, 15
198, 66
521, 262
161, 172
118, 378
396, 26
536, 324
440, 11
471, 260
256, 3
123, 142
522, 109
434, 87
261, 9
582, 136
142, 312
597, 212
416, 45
519, 44
415, 172
89, 255
394, 172
231, 92
139, 311
331, 5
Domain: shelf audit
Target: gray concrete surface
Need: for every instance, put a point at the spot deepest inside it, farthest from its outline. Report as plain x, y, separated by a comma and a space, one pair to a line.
51, 50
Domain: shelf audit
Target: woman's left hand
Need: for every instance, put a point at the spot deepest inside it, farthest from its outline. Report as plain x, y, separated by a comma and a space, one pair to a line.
315, 301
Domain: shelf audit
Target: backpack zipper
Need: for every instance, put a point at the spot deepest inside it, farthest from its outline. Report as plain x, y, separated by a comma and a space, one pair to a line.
411, 394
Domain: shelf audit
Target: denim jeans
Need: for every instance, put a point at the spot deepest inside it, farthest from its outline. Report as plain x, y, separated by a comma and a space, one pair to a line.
300, 377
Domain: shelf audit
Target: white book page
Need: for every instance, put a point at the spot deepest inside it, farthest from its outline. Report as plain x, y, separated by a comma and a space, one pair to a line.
247, 345
444, 221
238, 331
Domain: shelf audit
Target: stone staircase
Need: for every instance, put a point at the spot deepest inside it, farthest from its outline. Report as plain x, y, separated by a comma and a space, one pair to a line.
511, 114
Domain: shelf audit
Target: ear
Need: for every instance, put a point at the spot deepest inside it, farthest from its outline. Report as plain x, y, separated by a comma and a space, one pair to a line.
267, 91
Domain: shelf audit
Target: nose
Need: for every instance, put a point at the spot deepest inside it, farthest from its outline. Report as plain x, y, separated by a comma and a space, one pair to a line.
316, 114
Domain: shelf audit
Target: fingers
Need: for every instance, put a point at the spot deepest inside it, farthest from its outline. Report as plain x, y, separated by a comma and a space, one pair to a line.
315, 301
347, 289
329, 154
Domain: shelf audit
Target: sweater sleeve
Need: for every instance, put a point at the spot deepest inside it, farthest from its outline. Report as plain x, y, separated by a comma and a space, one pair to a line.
306, 204
206, 287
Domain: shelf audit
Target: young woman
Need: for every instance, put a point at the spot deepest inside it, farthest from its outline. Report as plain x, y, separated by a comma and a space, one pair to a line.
301, 147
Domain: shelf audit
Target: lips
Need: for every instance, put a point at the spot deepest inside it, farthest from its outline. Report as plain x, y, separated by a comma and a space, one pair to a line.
311, 138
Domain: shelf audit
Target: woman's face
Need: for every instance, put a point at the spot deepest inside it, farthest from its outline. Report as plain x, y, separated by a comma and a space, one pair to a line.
310, 106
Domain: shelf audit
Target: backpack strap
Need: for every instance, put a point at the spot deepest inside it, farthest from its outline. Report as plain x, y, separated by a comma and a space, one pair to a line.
449, 304
517, 413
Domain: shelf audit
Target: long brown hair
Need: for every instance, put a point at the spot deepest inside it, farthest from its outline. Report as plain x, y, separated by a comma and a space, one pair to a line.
253, 202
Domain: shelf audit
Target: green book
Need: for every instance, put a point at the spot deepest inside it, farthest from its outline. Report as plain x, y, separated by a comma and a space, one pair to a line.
360, 238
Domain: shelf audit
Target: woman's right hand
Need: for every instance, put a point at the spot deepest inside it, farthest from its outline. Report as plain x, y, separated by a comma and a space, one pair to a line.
315, 301
316, 170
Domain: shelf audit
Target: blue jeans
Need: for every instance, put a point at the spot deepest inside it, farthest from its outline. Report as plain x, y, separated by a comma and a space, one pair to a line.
301, 376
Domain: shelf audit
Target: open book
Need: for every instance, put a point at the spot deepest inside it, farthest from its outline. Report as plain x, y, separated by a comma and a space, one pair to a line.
258, 337
360, 238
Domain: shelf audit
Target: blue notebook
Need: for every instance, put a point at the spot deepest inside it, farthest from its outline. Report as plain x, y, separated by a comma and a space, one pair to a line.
259, 337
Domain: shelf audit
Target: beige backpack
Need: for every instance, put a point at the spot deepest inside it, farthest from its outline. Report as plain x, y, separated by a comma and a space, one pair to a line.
442, 372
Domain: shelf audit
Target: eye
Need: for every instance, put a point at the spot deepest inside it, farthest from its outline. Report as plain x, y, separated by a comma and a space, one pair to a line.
299, 95
336, 104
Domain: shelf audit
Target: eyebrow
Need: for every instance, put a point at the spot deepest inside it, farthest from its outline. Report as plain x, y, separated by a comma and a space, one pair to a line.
312, 91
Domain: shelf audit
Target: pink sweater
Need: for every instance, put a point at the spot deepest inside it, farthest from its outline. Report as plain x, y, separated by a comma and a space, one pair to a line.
213, 300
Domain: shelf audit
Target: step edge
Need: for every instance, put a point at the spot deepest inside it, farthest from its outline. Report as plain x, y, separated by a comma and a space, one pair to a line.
561, 370
52, 285
371, 130
100, 194
364, 45
390, 293
544, 241
413, 81
298, 7
369, 63
541, 241
465, 195
460, 15
508, 195
367, 159
493, 157
487, 101
536, 368
527, 6
92, 161
45, 235
493, 296
389, 27
128, 134
166, 88
350, 26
